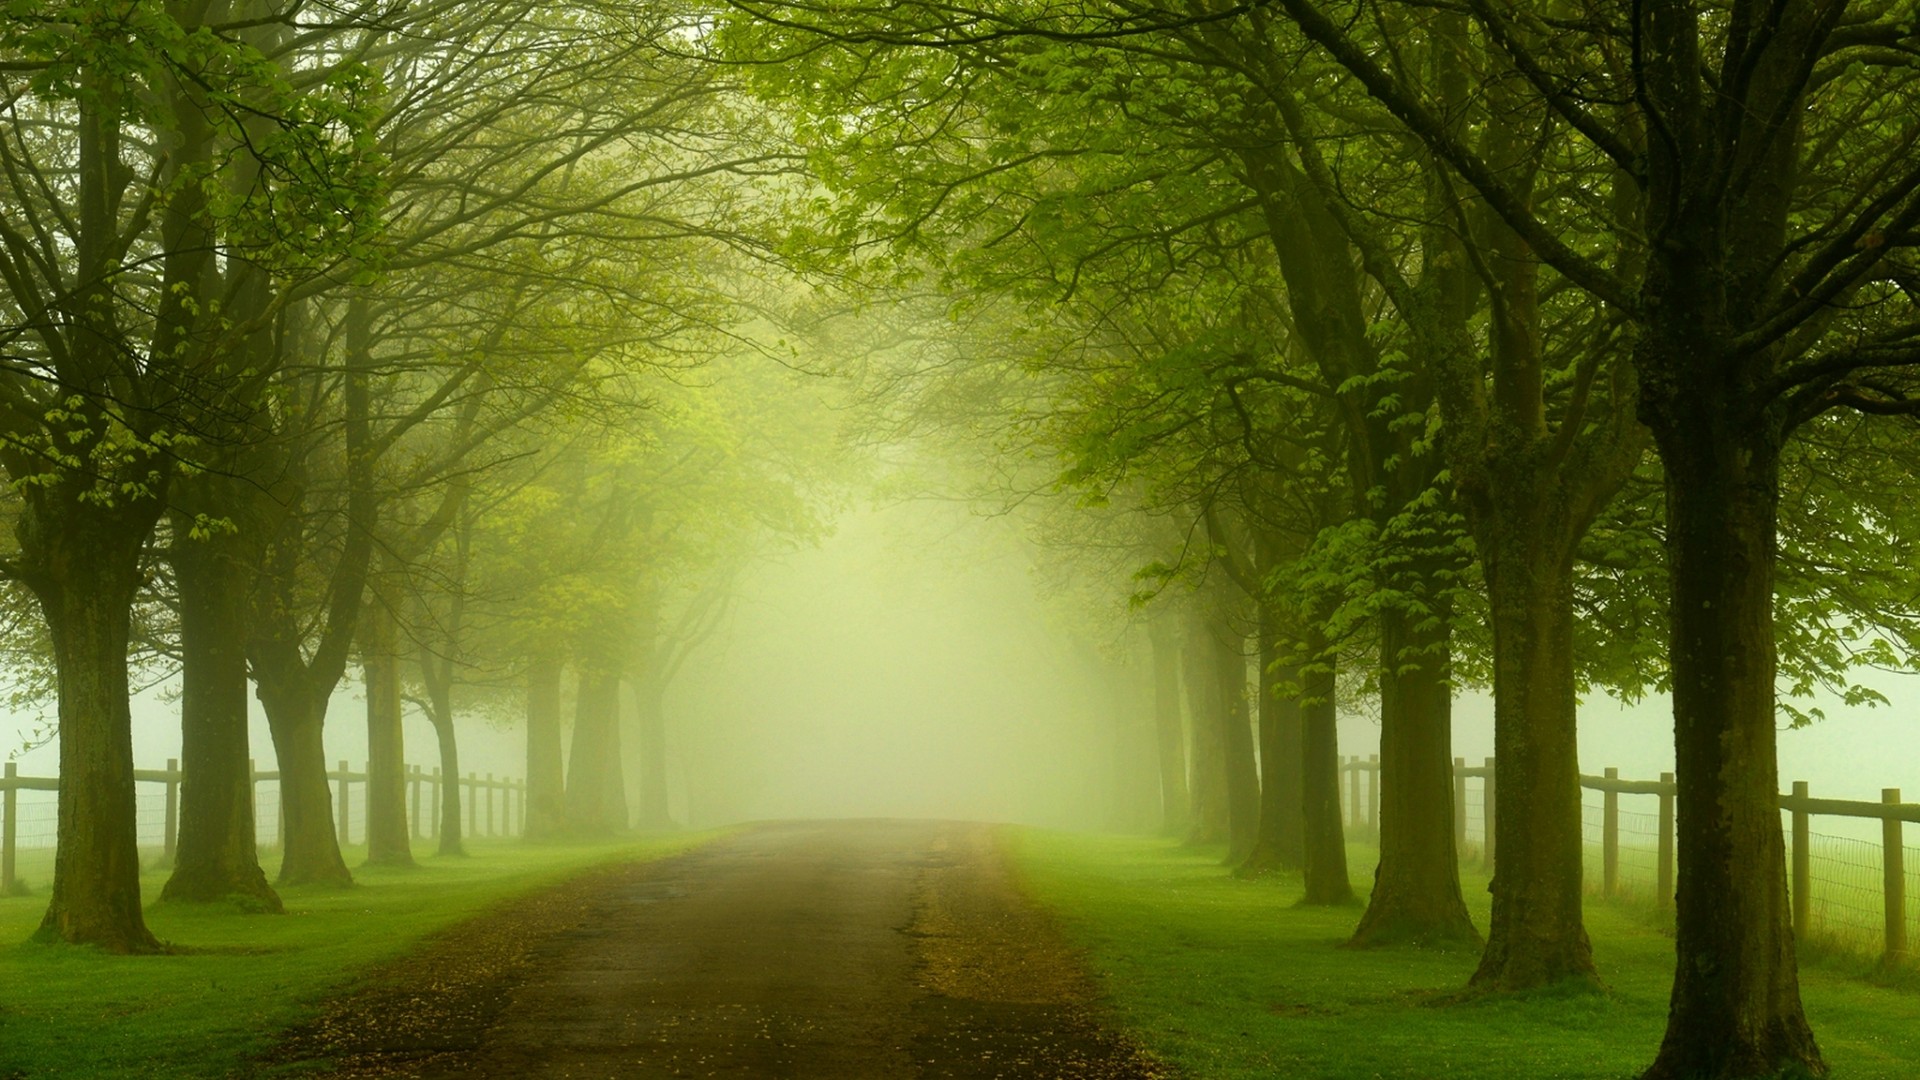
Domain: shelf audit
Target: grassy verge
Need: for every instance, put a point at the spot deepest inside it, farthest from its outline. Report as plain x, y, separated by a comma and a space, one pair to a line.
75, 1012
1227, 978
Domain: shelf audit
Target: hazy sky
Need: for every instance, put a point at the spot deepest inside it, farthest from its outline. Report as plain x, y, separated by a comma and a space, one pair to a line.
906, 667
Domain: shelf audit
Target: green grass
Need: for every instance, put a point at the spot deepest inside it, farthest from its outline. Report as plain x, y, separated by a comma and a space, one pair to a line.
79, 1012
1227, 978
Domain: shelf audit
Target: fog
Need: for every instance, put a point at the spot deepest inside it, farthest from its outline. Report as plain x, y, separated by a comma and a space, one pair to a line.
911, 664
906, 667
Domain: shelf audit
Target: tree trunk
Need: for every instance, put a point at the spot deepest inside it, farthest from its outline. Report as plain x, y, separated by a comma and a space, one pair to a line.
217, 854
87, 572
310, 851
1735, 1011
389, 840
1416, 888
1170, 738
596, 792
1537, 935
1209, 790
452, 838
1324, 861
653, 809
1236, 739
546, 770
1281, 843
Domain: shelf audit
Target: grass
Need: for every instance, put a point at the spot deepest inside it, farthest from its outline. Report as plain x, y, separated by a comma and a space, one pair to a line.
203, 1012
1227, 978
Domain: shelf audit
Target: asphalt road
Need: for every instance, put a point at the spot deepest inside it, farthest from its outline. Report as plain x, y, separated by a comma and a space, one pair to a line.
820, 949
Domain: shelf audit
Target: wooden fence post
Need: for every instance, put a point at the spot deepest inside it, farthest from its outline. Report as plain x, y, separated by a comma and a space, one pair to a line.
1610, 837
1802, 862
1487, 804
433, 819
473, 793
1893, 866
506, 806
1373, 795
413, 784
1663, 874
489, 804
345, 820
10, 805
171, 828
1459, 805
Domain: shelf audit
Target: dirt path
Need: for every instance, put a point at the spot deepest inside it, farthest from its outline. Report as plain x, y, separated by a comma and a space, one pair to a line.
831, 949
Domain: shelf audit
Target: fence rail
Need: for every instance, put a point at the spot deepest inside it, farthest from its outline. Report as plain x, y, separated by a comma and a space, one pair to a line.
1859, 899
425, 791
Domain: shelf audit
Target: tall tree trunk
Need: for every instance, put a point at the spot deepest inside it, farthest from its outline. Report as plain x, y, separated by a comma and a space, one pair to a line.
389, 840
310, 849
1281, 842
1170, 738
1208, 731
1735, 1011
436, 675
217, 855
596, 792
452, 838
85, 573
1537, 935
654, 813
1236, 739
546, 768
1416, 888
1324, 831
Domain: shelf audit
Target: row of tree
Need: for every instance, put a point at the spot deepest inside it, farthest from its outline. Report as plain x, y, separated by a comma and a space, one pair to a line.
1548, 345
381, 334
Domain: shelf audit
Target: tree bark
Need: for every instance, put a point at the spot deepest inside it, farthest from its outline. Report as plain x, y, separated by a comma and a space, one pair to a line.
452, 838
310, 849
1324, 860
546, 769
1209, 789
436, 676
1537, 936
596, 792
85, 572
1281, 843
217, 856
1236, 740
1416, 888
389, 840
1735, 1010
1170, 738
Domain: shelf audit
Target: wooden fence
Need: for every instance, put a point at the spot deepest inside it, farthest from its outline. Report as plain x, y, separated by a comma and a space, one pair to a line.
484, 794
1363, 820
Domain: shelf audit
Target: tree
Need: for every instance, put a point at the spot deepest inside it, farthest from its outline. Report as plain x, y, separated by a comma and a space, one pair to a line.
1772, 292
123, 120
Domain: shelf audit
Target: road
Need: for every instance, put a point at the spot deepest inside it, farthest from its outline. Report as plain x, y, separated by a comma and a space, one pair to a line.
820, 949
